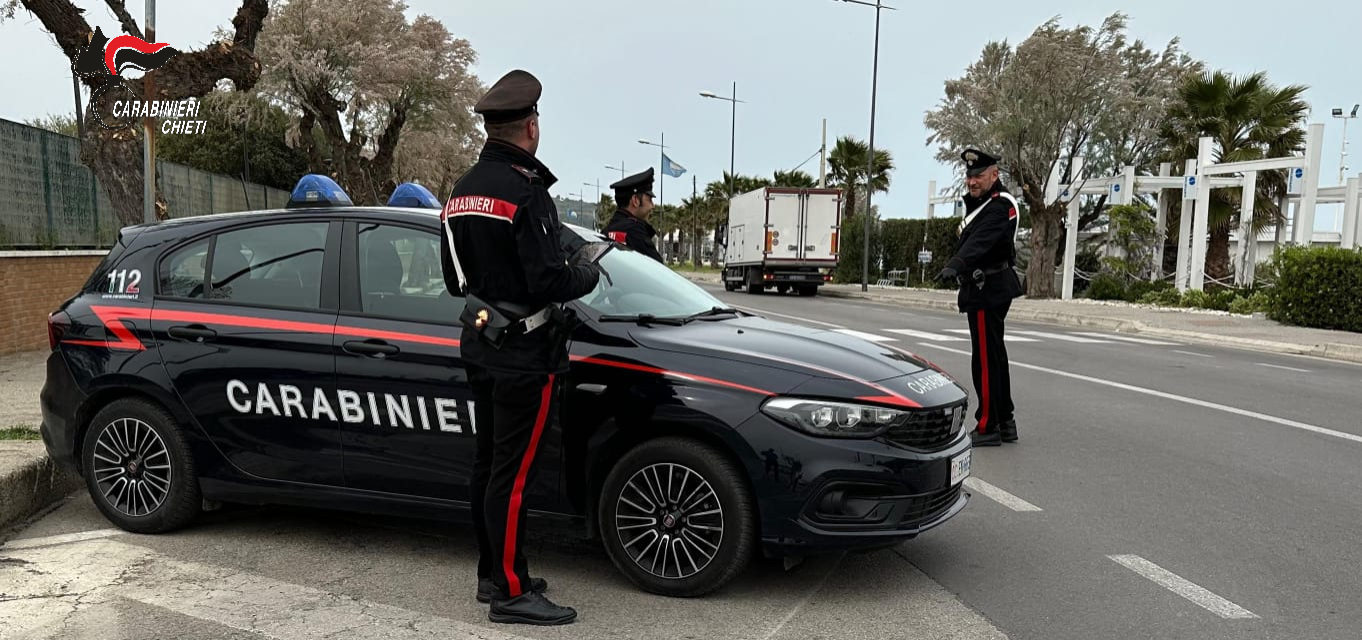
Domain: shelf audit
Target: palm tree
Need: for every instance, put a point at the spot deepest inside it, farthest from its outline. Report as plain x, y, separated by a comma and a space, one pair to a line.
795, 179
1249, 119
847, 169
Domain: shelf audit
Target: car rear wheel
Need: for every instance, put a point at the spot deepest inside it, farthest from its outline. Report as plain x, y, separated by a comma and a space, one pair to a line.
138, 468
677, 518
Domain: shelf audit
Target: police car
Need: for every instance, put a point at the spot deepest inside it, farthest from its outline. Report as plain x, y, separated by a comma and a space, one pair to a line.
310, 356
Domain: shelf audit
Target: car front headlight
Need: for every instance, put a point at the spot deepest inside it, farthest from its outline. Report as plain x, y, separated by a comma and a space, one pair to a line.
834, 419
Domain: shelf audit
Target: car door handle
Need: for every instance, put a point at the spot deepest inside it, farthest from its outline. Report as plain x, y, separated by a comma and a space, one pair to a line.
194, 332
372, 347
591, 388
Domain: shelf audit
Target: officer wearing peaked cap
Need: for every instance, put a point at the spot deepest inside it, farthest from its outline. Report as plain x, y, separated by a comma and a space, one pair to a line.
502, 251
984, 268
629, 226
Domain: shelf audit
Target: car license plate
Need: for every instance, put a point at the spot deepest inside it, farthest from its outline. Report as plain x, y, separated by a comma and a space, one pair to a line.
960, 468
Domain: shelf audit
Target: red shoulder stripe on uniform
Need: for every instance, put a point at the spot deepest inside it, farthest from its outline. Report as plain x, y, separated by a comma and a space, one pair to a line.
1012, 213
479, 206
619, 236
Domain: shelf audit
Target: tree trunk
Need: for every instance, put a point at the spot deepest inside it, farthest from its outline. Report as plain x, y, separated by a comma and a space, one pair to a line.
1218, 253
1046, 232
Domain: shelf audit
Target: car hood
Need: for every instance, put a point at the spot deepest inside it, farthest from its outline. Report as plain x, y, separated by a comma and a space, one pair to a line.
783, 345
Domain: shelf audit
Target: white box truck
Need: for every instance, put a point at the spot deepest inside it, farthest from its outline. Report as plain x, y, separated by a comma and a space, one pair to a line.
783, 239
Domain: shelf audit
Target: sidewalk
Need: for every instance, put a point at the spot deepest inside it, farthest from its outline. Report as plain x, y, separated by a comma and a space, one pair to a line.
29, 481
1188, 325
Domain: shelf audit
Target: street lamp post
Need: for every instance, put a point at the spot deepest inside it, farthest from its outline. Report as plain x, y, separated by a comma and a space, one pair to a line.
619, 169
1343, 151
661, 166
732, 137
598, 201
870, 162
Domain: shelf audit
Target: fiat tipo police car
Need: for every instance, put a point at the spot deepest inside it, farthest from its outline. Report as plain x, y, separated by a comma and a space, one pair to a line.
310, 356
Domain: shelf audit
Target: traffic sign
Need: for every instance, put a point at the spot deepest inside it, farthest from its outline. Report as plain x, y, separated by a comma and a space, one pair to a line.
1116, 196
1189, 188
924, 257
1294, 177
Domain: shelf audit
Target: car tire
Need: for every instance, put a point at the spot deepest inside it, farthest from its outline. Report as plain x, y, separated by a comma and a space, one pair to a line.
729, 505
138, 468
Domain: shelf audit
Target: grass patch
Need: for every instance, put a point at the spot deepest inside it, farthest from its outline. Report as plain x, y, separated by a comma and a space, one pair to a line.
687, 268
19, 433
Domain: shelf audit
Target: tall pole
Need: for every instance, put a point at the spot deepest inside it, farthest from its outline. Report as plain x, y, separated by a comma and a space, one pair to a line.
662, 164
733, 143
823, 158
1343, 152
694, 222
80, 116
870, 163
149, 132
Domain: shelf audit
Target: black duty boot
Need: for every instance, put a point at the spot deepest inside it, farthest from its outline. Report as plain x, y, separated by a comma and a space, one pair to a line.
1009, 431
988, 439
487, 589
530, 608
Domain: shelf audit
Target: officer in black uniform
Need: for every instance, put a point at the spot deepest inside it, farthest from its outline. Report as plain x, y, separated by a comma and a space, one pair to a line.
983, 267
634, 195
501, 247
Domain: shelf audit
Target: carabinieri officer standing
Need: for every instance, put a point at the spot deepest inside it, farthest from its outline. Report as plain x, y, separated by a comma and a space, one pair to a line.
502, 244
984, 267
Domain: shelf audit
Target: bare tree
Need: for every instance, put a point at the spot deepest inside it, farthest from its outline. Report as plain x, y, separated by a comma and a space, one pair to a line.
115, 156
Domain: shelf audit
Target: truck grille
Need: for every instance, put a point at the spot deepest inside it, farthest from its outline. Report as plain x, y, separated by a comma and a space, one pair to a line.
928, 507
928, 429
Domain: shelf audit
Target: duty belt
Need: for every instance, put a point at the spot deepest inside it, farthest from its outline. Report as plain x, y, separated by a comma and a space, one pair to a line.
529, 320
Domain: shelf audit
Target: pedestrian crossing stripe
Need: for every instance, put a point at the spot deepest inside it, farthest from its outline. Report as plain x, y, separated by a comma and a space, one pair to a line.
1007, 337
926, 335
1063, 337
962, 335
1128, 339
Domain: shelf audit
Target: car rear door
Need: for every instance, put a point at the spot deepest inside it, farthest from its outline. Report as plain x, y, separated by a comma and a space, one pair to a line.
243, 318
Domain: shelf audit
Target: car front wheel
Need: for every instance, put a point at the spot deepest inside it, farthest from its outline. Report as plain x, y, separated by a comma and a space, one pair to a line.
677, 518
138, 468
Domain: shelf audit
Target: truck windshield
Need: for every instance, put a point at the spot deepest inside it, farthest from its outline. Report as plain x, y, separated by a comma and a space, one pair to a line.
640, 285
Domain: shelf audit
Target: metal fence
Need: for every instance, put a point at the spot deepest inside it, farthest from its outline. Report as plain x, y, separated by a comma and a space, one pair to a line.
49, 199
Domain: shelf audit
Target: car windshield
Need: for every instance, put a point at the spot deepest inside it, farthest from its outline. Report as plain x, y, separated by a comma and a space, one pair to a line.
638, 285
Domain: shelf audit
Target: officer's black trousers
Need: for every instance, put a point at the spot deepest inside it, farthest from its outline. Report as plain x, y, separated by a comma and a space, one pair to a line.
513, 411
992, 380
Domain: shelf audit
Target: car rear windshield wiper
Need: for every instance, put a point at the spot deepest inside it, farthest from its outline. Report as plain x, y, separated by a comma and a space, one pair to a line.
644, 319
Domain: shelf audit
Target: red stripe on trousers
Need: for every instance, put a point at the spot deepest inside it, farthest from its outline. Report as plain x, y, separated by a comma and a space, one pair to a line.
983, 366
513, 510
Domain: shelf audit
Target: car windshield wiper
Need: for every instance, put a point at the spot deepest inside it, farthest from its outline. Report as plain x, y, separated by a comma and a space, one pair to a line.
711, 312
644, 319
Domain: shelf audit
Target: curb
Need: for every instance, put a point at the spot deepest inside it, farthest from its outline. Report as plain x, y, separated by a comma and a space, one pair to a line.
33, 486
1328, 350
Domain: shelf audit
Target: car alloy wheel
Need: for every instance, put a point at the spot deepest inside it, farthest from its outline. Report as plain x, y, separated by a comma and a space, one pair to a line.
669, 520
132, 467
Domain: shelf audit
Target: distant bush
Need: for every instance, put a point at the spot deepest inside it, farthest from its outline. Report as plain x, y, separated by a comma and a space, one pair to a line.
1256, 303
1106, 286
1318, 287
1163, 297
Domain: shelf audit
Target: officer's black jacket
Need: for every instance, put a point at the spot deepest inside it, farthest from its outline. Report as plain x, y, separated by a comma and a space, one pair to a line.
505, 227
635, 233
987, 244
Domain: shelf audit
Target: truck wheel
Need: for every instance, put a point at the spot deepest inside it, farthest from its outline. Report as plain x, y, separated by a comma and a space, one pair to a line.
808, 290
677, 518
138, 468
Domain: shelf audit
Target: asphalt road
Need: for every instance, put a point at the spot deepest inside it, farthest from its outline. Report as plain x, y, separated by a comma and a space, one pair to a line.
1182, 491
1159, 491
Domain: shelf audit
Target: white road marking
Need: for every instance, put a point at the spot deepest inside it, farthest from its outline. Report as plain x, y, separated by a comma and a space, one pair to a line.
1172, 396
1007, 337
1277, 366
1064, 337
866, 336
1183, 587
29, 543
782, 315
999, 496
77, 577
1193, 353
1112, 336
805, 600
925, 335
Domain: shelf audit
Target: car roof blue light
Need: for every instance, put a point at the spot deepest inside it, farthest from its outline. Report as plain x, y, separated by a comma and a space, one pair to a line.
410, 194
316, 190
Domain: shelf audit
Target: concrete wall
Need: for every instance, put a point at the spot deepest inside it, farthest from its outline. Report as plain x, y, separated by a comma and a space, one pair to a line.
35, 284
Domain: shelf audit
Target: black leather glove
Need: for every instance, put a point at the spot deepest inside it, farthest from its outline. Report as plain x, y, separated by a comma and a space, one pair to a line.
947, 275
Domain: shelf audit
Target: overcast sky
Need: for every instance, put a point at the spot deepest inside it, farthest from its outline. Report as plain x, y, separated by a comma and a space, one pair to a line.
615, 71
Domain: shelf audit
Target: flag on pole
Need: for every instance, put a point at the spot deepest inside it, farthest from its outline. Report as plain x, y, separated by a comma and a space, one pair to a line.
670, 167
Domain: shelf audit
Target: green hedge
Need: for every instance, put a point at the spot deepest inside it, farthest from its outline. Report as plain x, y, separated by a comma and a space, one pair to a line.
1318, 287
894, 245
